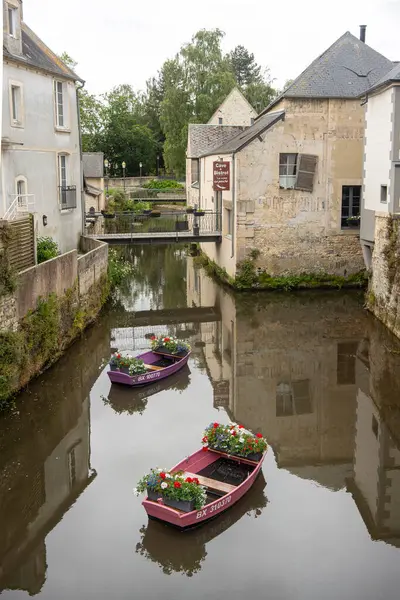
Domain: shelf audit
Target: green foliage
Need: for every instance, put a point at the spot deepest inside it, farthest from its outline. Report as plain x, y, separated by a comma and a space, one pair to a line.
118, 268
174, 486
7, 274
10, 359
233, 439
41, 330
163, 184
392, 249
46, 249
119, 202
244, 66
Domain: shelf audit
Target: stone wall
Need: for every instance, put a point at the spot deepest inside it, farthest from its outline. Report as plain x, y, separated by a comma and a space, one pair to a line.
383, 298
52, 303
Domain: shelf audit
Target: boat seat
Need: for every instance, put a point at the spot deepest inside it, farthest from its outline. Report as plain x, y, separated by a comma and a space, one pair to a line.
213, 484
154, 368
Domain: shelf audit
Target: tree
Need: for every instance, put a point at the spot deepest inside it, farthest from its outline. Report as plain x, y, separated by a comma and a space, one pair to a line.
68, 60
92, 116
244, 67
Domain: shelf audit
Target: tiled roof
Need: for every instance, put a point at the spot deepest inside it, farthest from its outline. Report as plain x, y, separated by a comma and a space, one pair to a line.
345, 70
36, 54
93, 164
203, 138
392, 75
244, 138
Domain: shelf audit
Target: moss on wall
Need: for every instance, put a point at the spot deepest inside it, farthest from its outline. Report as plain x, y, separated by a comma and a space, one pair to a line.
249, 278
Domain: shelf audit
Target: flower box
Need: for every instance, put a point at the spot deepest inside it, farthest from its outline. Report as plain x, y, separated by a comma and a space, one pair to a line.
164, 350
108, 216
256, 456
169, 345
184, 505
234, 440
189, 210
199, 213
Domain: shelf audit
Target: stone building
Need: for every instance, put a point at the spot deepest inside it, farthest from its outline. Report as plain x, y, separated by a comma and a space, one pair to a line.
93, 174
296, 173
230, 118
40, 154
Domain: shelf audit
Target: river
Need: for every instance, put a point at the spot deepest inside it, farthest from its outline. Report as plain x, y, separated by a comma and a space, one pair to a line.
313, 371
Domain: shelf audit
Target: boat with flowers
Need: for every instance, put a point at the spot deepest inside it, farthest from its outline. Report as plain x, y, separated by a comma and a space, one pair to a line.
207, 483
167, 356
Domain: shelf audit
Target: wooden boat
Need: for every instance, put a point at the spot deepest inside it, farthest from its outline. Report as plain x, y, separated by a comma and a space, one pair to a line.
226, 479
159, 366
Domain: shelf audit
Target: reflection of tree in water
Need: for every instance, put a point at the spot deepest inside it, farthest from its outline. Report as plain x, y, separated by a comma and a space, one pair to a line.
134, 400
159, 274
185, 552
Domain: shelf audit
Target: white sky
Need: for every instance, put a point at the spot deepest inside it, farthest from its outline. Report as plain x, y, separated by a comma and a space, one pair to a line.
127, 41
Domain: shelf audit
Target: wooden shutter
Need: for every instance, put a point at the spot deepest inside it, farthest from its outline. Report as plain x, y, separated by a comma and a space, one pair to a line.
306, 167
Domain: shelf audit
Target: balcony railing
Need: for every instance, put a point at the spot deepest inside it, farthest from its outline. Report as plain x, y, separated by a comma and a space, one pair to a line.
20, 204
67, 196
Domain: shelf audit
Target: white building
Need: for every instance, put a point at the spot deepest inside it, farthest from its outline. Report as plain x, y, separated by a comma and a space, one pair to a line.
40, 153
381, 192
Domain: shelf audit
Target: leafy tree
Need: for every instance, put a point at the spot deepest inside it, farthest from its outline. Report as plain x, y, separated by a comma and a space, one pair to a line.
92, 114
68, 60
244, 67
260, 95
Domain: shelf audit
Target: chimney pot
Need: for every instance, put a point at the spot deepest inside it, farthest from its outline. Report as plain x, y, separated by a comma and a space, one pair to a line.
362, 32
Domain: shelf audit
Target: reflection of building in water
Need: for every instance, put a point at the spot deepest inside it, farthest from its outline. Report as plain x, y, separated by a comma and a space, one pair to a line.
376, 479
286, 365
45, 460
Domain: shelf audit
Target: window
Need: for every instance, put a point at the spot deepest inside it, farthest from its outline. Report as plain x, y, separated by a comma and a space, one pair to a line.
375, 427
67, 193
287, 170
346, 363
220, 120
12, 21
72, 467
351, 197
384, 194
59, 103
195, 170
16, 106
228, 221
293, 399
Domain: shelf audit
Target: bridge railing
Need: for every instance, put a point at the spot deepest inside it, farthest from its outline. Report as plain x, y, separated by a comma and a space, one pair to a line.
159, 223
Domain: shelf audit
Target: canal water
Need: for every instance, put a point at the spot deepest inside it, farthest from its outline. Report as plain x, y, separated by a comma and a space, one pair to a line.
314, 372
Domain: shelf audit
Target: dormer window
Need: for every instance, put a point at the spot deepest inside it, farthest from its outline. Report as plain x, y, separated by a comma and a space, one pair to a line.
12, 21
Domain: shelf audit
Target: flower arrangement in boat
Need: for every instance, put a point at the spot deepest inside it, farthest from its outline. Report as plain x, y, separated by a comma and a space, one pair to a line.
173, 345
172, 488
135, 366
234, 439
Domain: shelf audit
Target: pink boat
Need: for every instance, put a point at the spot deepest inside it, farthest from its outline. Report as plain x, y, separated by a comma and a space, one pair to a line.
159, 366
213, 469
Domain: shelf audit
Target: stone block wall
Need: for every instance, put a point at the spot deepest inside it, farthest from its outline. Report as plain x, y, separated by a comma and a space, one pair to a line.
383, 298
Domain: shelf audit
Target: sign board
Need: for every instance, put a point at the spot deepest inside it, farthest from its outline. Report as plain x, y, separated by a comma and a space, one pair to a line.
221, 175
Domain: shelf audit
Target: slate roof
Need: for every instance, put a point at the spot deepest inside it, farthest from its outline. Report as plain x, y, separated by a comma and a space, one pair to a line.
244, 138
93, 164
391, 76
345, 70
203, 138
36, 54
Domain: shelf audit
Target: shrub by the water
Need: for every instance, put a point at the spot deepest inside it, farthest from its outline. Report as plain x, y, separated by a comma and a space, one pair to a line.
46, 249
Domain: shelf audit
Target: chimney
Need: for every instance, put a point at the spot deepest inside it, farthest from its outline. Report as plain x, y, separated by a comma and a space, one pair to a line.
362, 32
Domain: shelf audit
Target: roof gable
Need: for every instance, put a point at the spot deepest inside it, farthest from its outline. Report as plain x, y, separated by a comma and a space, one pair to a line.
347, 69
234, 96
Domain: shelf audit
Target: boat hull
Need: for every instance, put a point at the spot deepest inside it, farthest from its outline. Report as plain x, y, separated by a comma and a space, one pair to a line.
151, 376
210, 511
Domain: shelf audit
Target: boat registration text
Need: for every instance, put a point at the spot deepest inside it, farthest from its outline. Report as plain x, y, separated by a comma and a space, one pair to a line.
213, 508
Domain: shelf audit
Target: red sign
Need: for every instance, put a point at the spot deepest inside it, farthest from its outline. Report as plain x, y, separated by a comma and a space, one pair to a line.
221, 175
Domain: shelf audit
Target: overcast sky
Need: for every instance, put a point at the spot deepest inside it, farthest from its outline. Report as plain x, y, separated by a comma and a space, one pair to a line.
127, 41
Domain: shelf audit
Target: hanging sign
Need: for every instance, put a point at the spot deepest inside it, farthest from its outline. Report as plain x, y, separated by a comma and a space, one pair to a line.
221, 175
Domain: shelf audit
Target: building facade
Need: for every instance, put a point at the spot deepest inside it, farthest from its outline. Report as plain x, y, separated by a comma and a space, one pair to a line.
296, 173
41, 151
93, 173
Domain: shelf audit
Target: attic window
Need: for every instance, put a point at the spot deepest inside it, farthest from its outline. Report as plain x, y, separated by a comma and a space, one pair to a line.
12, 21
220, 120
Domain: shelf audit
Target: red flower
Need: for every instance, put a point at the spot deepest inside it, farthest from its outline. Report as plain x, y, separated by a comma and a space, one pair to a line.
162, 475
259, 435
188, 480
216, 425
241, 426
118, 356
233, 432
195, 480
153, 337
205, 439
177, 484
167, 339
205, 449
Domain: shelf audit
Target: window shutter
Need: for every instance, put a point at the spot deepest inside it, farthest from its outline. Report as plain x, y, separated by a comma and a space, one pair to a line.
306, 167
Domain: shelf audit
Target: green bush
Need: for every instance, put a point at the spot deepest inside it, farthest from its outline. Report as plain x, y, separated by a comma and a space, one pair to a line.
46, 249
163, 184
118, 268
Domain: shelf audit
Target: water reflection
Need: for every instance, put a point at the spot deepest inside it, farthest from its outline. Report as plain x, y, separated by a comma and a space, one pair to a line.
134, 400
45, 462
185, 553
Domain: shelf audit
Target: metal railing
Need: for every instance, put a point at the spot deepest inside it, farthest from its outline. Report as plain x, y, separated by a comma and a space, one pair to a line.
67, 196
168, 222
20, 204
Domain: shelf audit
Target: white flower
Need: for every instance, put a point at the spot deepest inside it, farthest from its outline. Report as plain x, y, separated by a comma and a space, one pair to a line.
158, 469
168, 476
164, 485
135, 491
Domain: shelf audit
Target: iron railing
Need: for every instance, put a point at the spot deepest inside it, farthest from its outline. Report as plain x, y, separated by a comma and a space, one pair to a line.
20, 204
67, 196
169, 222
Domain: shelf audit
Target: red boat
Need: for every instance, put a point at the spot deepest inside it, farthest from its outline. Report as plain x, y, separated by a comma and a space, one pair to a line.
226, 479
159, 366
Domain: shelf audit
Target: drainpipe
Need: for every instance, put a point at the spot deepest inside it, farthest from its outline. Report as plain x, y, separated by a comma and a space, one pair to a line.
80, 156
233, 205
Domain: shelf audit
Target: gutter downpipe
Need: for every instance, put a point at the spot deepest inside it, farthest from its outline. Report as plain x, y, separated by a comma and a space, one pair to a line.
234, 224
81, 157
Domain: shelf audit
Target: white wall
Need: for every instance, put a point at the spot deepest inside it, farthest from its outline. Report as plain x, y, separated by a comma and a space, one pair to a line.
235, 110
33, 154
378, 145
